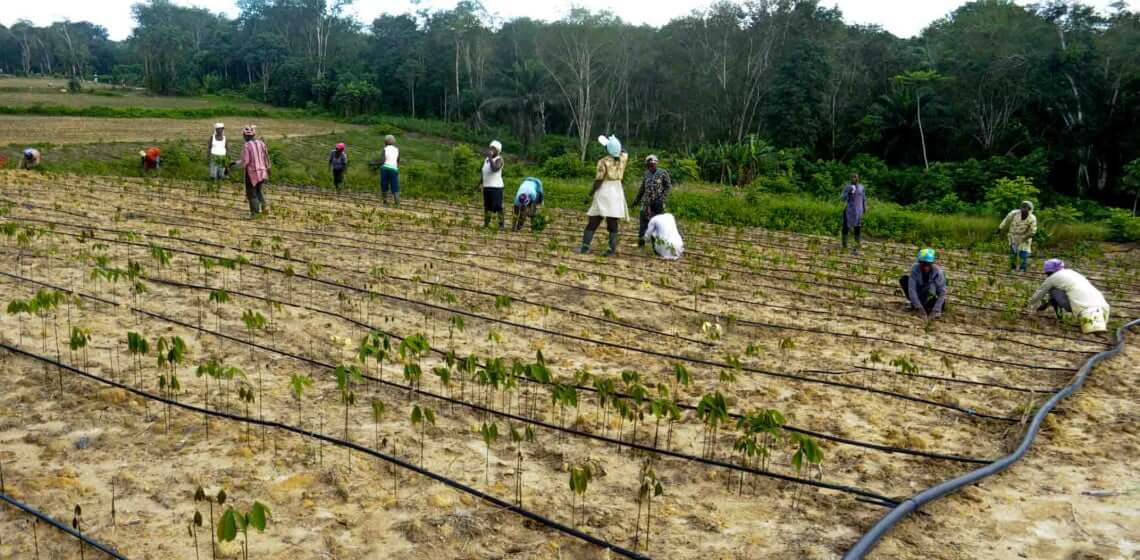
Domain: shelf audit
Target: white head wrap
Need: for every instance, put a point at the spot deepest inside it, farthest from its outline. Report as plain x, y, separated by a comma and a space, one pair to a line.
498, 146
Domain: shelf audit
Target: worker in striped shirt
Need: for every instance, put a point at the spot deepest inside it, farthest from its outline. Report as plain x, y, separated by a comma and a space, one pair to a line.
255, 160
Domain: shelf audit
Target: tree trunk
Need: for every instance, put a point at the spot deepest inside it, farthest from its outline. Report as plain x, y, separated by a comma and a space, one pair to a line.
921, 133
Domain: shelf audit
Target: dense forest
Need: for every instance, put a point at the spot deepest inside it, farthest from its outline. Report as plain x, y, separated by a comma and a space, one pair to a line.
742, 93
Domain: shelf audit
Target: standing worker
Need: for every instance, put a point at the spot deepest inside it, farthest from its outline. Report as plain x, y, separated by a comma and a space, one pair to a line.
655, 187
925, 287
32, 158
527, 200
1068, 290
338, 164
492, 183
855, 196
1022, 224
216, 153
255, 160
390, 171
662, 234
608, 195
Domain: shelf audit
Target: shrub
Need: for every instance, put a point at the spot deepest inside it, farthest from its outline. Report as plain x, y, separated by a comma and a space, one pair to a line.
1007, 194
385, 128
565, 166
73, 85
463, 167
1122, 226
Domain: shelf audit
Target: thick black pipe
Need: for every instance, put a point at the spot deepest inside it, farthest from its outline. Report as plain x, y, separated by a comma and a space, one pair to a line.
892, 518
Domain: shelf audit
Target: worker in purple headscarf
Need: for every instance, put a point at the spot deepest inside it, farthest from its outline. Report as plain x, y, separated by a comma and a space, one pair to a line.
855, 195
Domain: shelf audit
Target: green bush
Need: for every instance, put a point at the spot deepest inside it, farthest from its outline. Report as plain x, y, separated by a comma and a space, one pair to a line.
463, 167
1007, 194
1123, 226
565, 166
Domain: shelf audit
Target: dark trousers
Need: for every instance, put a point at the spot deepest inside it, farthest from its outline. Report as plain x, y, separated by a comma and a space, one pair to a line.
492, 204
846, 228
522, 213
643, 224
595, 221
928, 299
255, 194
338, 178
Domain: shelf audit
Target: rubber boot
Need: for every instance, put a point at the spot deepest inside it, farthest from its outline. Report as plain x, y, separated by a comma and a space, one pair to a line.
502, 221
384, 197
396, 197
613, 244
486, 219
587, 239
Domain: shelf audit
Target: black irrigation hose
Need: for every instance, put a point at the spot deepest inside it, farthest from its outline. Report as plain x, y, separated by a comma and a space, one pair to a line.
109, 551
636, 327
587, 340
867, 542
498, 503
310, 361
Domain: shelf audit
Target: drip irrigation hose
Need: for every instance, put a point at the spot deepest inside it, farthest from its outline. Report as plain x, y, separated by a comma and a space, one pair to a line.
869, 539
313, 362
61, 526
497, 502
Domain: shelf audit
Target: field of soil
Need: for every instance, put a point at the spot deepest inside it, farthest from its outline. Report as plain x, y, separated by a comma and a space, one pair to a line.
579, 356
31, 130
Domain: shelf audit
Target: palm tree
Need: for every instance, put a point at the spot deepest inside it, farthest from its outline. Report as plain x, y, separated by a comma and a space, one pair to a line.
523, 95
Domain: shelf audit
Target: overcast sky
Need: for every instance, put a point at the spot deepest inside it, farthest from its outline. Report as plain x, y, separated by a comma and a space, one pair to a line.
904, 18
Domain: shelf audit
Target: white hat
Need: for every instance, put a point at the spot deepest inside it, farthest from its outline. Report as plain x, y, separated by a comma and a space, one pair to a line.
219, 125
651, 159
498, 146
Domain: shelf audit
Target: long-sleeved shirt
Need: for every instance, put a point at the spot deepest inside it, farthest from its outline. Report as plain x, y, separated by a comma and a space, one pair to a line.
655, 187
662, 232
855, 195
532, 188
255, 160
1021, 231
921, 284
338, 160
1082, 294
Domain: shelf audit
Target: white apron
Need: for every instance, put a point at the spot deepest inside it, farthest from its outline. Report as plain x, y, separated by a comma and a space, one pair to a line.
609, 201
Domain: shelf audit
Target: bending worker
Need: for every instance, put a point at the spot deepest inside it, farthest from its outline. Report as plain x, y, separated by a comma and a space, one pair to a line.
31, 158
527, 200
925, 286
1068, 290
1022, 224
662, 233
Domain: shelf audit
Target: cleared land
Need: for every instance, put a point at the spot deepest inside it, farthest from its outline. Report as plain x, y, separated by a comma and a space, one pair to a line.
32, 130
804, 330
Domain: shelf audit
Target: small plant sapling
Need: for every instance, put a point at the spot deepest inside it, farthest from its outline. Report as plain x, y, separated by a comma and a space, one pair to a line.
233, 521
346, 377
580, 477
490, 433
80, 337
297, 384
663, 407
219, 297
421, 417
650, 487
195, 524
713, 411
807, 454
246, 396
518, 437
378, 410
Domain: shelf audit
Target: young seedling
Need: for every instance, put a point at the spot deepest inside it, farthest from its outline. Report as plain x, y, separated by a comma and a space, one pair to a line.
490, 433
518, 438
346, 377
195, 524
807, 453
78, 342
234, 521
246, 396
713, 411
421, 417
297, 384
649, 488
580, 477
219, 297
663, 407
378, 409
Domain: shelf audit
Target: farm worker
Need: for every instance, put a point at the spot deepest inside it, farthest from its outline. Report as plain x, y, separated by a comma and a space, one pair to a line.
390, 171
1022, 224
527, 200
855, 196
255, 160
31, 158
925, 286
216, 152
338, 164
608, 196
655, 187
1068, 290
492, 183
151, 159
662, 234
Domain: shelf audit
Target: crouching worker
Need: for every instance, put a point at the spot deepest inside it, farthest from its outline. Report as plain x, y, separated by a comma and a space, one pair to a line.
662, 234
151, 159
31, 159
527, 201
1068, 290
925, 287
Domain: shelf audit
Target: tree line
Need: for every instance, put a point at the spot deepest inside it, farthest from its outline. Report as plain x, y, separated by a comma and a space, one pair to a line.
1056, 84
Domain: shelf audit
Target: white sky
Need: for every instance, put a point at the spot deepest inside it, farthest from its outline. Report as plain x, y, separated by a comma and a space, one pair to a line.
904, 18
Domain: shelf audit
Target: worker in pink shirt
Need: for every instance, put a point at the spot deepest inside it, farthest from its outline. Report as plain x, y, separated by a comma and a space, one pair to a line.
255, 160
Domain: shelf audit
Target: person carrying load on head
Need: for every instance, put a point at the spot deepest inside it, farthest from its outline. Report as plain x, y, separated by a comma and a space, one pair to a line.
151, 159
655, 187
608, 195
492, 183
925, 287
216, 153
390, 171
855, 198
527, 200
32, 158
1022, 224
255, 160
1068, 290
662, 234
338, 164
